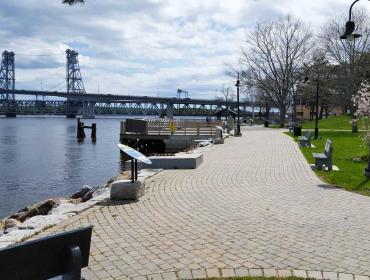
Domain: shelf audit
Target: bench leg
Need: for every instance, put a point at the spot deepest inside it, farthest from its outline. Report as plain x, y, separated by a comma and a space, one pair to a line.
318, 164
74, 264
329, 165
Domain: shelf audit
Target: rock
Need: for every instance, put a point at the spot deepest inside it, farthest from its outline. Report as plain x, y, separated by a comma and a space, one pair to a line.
83, 190
75, 200
87, 196
126, 190
10, 224
16, 236
40, 222
64, 208
41, 208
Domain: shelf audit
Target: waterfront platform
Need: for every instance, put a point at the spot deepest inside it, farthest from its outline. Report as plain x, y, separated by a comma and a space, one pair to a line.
254, 207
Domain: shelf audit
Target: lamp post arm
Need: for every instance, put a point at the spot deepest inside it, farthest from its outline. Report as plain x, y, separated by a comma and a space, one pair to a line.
350, 10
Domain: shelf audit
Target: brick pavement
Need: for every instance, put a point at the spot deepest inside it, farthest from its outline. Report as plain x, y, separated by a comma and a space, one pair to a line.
254, 207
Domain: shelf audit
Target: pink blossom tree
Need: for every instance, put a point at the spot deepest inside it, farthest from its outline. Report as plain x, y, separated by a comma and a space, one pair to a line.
361, 101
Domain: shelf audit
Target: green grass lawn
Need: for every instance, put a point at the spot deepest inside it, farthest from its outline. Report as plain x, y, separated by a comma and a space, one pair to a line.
333, 123
347, 147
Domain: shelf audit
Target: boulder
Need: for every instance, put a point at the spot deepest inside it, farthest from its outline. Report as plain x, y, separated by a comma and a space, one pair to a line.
64, 208
93, 192
83, 190
16, 236
11, 224
126, 190
41, 208
40, 222
75, 200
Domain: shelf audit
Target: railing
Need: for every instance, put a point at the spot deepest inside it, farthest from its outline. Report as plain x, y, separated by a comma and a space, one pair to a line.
177, 127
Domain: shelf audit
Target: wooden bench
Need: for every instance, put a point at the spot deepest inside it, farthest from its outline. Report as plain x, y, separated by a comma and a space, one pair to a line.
306, 139
61, 254
324, 158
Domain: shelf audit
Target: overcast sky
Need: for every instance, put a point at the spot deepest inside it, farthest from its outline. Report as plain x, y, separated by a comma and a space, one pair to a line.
143, 47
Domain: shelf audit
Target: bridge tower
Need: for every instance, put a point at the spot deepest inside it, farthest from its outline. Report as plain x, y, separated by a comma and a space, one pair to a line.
74, 78
75, 85
7, 81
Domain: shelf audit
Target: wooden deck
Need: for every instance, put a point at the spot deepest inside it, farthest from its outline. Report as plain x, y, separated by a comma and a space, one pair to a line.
168, 127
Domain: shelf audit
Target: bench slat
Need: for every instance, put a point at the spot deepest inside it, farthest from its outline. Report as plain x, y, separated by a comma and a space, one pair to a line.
319, 155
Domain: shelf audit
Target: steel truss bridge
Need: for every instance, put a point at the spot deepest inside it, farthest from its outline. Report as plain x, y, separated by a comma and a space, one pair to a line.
89, 105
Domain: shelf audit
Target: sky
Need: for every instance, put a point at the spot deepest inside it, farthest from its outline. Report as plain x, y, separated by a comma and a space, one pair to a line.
143, 47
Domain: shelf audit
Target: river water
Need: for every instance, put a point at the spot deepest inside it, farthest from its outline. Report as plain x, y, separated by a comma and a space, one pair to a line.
40, 158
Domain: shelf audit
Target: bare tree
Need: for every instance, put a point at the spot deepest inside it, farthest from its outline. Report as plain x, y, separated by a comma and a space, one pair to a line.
350, 56
227, 93
273, 58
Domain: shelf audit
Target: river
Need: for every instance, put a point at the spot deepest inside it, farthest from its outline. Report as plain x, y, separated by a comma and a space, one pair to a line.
40, 158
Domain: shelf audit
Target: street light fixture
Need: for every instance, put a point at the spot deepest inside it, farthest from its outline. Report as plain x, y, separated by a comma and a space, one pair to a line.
238, 133
350, 34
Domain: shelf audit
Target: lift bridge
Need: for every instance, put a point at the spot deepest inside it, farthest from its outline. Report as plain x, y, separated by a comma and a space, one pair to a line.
75, 101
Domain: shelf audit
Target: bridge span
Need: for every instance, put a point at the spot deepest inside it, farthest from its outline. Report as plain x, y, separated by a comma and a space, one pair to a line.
89, 104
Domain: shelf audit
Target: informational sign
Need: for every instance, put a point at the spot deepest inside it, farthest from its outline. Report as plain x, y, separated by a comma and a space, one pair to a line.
134, 154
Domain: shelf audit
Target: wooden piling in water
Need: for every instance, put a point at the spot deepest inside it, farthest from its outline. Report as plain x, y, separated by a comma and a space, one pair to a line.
93, 132
80, 130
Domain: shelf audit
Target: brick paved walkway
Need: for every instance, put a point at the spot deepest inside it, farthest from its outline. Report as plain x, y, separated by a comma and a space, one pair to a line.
254, 203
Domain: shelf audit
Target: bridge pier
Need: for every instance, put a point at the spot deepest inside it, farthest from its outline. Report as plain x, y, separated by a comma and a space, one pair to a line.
70, 114
88, 110
11, 106
92, 109
169, 110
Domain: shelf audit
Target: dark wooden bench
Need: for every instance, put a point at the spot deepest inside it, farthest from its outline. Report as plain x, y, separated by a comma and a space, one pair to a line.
306, 139
61, 254
325, 158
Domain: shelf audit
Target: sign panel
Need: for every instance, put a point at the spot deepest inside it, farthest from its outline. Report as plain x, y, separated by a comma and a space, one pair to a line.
134, 154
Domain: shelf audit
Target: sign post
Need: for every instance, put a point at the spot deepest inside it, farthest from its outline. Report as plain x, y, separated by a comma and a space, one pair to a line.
135, 156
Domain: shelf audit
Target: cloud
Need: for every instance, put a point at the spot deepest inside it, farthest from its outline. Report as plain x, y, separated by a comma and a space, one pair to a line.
142, 46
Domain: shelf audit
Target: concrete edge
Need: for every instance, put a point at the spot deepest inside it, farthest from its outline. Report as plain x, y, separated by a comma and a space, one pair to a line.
245, 271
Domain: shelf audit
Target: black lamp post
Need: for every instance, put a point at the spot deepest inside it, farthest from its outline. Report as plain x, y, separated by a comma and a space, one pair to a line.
237, 98
317, 108
350, 33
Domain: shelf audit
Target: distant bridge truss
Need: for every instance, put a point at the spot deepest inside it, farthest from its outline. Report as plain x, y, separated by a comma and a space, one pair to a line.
59, 107
76, 101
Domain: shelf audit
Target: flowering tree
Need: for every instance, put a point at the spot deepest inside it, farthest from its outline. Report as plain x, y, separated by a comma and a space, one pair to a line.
361, 101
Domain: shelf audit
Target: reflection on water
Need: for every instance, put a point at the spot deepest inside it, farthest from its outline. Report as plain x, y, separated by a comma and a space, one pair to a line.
41, 158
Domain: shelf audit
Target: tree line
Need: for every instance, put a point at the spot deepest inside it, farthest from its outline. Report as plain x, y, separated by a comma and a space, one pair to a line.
284, 61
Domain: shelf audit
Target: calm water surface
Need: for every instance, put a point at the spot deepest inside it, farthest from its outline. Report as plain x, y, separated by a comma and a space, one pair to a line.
40, 158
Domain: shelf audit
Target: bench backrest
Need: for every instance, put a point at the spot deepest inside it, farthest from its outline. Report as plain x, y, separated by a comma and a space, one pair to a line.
328, 148
47, 257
